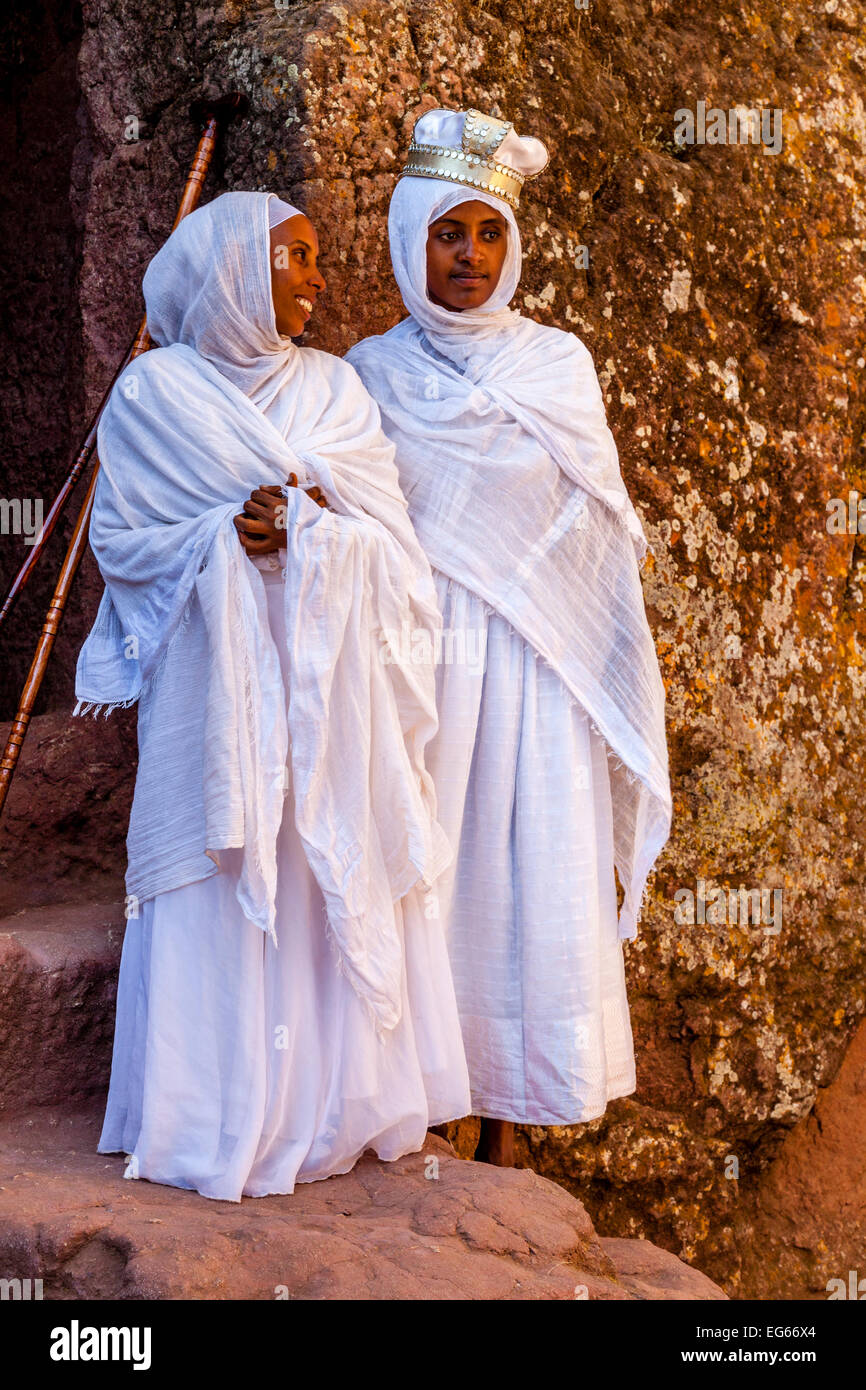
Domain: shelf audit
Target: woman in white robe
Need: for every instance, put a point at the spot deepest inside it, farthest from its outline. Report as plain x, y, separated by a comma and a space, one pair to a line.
550, 762
285, 1000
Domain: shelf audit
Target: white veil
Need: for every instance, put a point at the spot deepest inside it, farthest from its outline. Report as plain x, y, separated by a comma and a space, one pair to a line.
416, 203
209, 288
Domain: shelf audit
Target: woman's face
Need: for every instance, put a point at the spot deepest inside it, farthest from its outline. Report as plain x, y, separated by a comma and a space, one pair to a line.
465, 254
296, 281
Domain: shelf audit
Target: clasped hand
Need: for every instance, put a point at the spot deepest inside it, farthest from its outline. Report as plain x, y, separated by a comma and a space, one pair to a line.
261, 526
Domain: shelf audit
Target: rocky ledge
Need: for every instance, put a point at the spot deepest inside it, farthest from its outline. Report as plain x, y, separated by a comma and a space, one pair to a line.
428, 1226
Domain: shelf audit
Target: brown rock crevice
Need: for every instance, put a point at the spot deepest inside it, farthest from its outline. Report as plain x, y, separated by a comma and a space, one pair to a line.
41, 370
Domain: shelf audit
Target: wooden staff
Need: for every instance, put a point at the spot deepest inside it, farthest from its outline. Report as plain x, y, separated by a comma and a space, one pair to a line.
215, 114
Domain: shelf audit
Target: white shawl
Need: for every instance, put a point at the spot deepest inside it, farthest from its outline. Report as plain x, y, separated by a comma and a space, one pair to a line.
514, 488
190, 429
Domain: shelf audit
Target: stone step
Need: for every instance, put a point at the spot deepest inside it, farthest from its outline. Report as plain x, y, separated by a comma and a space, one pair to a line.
63, 828
58, 984
428, 1226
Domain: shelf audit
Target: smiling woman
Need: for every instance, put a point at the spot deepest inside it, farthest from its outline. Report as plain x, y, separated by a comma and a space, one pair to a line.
285, 999
296, 281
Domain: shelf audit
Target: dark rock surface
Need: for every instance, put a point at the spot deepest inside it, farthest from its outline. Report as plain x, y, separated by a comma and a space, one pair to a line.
63, 831
58, 984
42, 383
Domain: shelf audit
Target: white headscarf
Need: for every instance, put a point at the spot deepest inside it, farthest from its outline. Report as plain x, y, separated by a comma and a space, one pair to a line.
279, 211
529, 369
515, 491
209, 288
415, 204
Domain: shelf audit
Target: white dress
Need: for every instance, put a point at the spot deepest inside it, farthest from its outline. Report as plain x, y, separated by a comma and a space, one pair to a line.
530, 902
239, 1068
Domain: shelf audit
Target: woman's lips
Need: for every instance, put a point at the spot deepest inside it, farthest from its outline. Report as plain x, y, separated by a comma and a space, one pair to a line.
469, 280
306, 304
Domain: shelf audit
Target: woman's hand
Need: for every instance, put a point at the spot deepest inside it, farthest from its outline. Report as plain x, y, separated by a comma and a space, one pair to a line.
261, 527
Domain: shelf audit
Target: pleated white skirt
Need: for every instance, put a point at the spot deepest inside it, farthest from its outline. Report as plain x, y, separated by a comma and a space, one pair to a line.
240, 1068
530, 902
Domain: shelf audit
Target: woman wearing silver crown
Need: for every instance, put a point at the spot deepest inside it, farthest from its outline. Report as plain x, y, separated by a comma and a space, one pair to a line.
550, 762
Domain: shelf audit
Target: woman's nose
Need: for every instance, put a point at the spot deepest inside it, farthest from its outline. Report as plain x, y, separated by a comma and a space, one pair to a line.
471, 249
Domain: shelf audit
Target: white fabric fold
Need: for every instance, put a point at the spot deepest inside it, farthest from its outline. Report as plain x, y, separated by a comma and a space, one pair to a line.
183, 628
514, 488
280, 211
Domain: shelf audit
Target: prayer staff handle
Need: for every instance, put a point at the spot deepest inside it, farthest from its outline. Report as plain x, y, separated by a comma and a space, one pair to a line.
215, 115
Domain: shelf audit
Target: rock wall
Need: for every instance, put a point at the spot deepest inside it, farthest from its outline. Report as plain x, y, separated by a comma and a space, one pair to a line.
41, 377
723, 302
